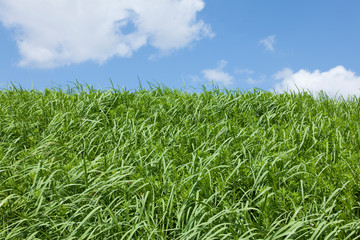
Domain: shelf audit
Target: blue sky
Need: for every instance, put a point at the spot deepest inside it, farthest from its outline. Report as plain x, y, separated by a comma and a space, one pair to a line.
279, 45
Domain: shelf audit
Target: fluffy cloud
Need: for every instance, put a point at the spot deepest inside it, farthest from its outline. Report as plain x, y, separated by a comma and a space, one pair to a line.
55, 33
268, 42
218, 75
337, 80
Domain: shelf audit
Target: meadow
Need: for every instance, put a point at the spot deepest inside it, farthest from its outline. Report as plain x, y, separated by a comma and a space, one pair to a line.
82, 163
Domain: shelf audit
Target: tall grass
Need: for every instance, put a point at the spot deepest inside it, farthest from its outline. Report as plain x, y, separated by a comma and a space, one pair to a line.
82, 163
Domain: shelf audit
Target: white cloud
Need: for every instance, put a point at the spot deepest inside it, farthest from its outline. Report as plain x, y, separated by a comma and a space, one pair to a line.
55, 33
244, 71
337, 80
217, 75
252, 81
268, 42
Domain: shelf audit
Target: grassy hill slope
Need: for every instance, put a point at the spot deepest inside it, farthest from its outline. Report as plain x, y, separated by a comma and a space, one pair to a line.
164, 164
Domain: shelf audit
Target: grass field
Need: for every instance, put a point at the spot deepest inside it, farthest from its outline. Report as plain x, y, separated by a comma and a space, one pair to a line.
82, 163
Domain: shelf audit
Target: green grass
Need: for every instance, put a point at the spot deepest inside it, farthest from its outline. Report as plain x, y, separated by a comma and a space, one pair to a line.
82, 163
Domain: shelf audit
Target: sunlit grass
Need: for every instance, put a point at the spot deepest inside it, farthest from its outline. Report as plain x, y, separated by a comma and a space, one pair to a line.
82, 163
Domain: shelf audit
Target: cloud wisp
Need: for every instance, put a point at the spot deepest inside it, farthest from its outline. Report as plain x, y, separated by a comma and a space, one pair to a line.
268, 43
336, 81
244, 71
217, 75
56, 33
